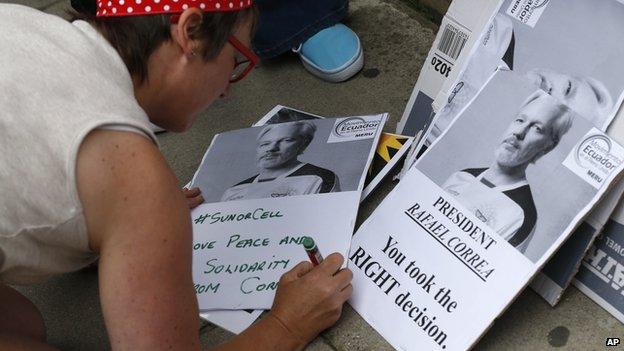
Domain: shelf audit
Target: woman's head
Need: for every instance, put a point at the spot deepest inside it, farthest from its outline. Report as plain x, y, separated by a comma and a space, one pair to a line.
180, 61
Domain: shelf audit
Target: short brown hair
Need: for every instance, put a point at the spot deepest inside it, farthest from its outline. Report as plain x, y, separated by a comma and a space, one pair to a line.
136, 38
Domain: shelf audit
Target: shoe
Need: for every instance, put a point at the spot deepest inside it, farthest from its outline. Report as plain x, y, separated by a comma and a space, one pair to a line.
333, 54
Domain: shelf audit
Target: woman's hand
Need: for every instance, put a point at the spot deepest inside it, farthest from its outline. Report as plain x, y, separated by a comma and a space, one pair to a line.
309, 299
193, 197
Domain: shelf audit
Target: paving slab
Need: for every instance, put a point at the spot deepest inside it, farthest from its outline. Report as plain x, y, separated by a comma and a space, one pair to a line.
38, 4
354, 334
59, 8
396, 39
70, 306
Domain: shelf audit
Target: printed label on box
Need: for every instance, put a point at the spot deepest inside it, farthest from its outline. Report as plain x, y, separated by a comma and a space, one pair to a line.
354, 128
527, 11
595, 158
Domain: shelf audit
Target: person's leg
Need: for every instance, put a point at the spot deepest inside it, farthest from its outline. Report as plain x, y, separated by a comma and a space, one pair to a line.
328, 49
284, 24
21, 324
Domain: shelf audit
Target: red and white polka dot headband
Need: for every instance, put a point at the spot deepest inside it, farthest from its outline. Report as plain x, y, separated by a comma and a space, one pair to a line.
118, 8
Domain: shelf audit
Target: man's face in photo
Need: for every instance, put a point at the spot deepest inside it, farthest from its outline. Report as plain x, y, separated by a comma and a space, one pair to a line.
574, 92
529, 134
278, 146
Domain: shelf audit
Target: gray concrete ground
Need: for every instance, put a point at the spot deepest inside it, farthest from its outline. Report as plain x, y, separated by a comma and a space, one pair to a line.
396, 40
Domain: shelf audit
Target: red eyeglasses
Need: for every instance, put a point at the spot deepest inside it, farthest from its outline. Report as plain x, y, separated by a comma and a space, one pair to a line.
245, 64
242, 66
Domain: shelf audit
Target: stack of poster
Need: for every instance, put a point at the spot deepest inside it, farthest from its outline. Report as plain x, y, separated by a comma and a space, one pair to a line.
235, 321
601, 276
459, 30
559, 272
283, 114
390, 150
568, 49
265, 189
479, 215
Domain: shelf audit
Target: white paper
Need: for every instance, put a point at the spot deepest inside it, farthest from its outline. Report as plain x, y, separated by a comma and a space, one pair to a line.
527, 11
568, 42
559, 272
471, 275
231, 277
601, 276
590, 279
234, 321
458, 33
242, 247
376, 174
547, 41
280, 114
469, 295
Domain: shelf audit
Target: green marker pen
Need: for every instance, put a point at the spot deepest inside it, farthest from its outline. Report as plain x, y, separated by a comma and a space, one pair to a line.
312, 250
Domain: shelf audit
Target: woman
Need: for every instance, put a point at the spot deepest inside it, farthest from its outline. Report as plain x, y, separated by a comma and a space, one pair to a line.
81, 170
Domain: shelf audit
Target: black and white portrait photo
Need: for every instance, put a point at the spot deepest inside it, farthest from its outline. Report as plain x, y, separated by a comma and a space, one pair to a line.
500, 194
503, 162
280, 172
283, 159
571, 53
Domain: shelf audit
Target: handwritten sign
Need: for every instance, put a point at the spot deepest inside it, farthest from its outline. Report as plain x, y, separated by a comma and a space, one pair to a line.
267, 188
241, 249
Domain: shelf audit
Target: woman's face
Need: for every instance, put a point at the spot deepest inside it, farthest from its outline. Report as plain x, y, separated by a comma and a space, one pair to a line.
207, 81
189, 84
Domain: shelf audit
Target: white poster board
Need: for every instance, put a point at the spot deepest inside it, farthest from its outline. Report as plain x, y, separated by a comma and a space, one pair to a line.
601, 276
234, 321
566, 47
390, 150
460, 28
438, 262
249, 232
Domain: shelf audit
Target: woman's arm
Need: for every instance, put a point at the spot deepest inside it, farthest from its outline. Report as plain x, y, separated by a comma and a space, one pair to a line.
139, 221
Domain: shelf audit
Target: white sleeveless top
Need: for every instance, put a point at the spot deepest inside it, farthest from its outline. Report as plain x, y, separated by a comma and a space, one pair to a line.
58, 82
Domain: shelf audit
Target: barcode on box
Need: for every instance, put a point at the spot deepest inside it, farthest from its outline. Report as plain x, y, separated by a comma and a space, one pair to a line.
452, 41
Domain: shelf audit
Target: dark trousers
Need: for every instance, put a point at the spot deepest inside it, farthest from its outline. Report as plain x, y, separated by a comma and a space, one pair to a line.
284, 24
